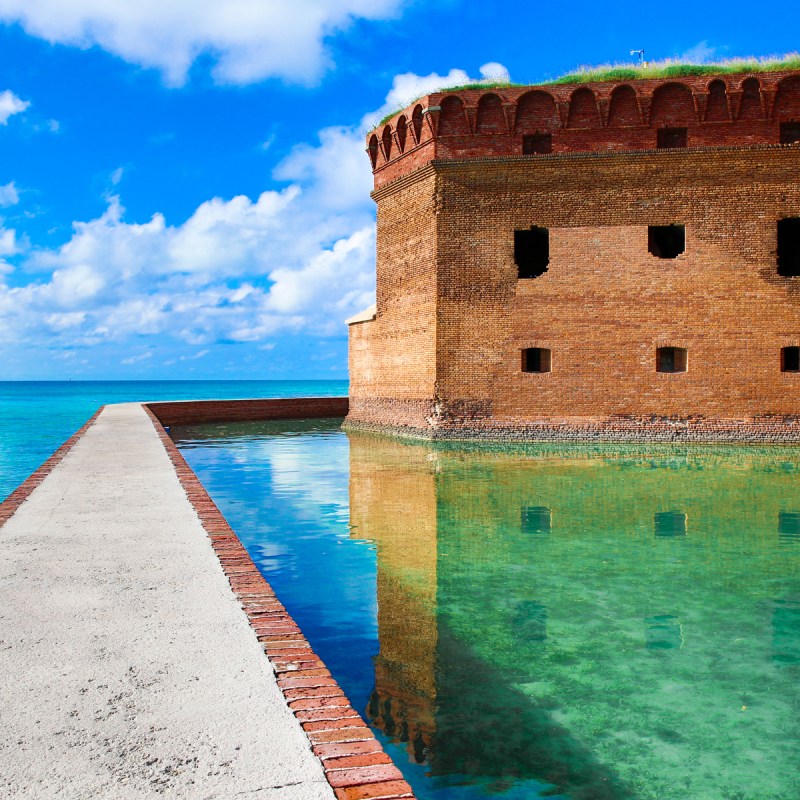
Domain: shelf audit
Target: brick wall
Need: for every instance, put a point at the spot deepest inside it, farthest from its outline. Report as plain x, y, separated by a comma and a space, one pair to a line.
393, 358
192, 412
443, 356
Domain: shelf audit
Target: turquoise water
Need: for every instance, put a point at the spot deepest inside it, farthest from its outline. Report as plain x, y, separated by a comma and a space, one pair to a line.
581, 623
37, 416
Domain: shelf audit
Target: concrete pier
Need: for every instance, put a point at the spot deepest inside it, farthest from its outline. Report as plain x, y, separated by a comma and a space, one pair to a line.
127, 667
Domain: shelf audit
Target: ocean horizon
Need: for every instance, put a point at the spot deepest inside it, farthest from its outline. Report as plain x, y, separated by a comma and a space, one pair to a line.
38, 416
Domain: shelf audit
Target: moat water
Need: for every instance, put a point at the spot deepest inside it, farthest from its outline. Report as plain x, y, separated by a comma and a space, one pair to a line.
582, 623
38, 416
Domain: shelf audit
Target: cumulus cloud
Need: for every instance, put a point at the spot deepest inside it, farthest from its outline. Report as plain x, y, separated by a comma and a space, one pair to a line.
294, 259
10, 104
248, 39
8, 242
699, 53
408, 86
137, 359
236, 270
9, 195
337, 168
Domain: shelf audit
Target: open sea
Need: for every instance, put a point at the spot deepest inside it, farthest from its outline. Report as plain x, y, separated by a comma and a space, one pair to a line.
38, 416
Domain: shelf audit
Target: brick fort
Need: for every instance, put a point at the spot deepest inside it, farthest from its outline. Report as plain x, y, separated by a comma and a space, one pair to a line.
612, 260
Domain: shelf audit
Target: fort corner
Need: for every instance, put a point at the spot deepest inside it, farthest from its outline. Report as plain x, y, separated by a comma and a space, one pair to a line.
614, 260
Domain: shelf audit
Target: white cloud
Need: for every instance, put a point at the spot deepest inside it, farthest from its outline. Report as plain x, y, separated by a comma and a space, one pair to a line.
9, 195
8, 242
136, 359
248, 39
10, 104
297, 259
408, 86
337, 168
699, 53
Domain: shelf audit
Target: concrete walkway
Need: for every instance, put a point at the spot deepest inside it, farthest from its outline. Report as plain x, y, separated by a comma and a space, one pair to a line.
127, 667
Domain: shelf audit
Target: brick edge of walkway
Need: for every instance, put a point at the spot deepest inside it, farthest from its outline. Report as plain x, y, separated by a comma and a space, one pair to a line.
354, 762
10, 505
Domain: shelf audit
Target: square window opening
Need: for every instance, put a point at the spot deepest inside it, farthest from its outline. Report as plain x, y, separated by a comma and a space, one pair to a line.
670, 523
671, 359
536, 519
666, 241
536, 359
537, 143
790, 132
667, 138
789, 247
790, 359
532, 252
789, 526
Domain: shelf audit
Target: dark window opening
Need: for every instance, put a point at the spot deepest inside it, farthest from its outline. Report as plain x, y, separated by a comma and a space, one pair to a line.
535, 359
671, 359
790, 359
536, 519
666, 241
790, 132
531, 252
667, 138
537, 143
670, 523
789, 247
786, 631
789, 526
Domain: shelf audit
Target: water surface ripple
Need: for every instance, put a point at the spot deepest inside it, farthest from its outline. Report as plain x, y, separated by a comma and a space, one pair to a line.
583, 623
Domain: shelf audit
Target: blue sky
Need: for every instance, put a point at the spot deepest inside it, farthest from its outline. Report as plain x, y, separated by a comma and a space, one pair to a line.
183, 187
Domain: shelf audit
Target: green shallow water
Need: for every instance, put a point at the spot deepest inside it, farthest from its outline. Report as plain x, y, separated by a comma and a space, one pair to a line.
574, 622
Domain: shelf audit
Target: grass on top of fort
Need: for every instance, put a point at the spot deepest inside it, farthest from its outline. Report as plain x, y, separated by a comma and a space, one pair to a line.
668, 68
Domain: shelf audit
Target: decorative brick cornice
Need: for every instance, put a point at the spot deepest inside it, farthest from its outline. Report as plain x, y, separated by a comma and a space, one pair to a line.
716, 110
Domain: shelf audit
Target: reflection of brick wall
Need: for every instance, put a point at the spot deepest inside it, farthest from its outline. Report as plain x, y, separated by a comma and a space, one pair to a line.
443, 354
393, 504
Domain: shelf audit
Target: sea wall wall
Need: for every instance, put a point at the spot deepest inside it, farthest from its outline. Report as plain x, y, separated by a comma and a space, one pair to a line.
193, 412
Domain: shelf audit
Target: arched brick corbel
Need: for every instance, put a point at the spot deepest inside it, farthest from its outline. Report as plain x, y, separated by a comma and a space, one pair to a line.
562, 107
735, 101
509, 114
471, 113
701, 104
430, 117
768, 95
603, 106
645, 102
696, 102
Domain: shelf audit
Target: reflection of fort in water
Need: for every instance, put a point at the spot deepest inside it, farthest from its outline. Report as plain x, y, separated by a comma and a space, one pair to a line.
586, 618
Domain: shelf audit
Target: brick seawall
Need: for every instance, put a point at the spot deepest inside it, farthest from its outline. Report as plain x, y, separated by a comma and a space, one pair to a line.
193, 412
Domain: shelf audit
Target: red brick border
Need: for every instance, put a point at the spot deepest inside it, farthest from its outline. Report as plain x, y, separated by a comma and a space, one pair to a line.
10, 505
354, 761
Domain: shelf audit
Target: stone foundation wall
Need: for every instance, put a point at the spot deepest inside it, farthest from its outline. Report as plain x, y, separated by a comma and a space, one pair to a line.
767, 430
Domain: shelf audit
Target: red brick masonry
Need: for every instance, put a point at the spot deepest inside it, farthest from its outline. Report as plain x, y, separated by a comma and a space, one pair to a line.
354, 762
458, 183
198, 411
